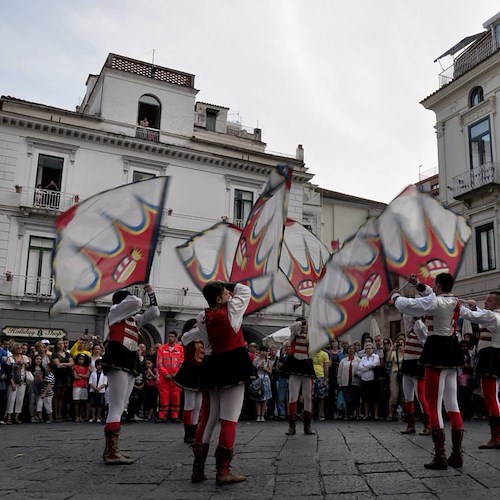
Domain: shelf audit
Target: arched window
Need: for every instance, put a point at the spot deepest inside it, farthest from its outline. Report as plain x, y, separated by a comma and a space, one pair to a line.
149, 112
476, 96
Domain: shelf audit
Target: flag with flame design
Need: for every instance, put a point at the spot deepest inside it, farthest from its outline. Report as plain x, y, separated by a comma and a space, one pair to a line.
259, 247
355, 283
107, 242
303, 259
421, 236
208, 256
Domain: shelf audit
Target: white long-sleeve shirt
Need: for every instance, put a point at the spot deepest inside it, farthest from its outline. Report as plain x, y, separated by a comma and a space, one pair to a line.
490, 320
128, 307
366, 366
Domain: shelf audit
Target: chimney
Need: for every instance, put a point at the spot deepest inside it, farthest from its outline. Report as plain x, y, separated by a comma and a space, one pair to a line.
299, 153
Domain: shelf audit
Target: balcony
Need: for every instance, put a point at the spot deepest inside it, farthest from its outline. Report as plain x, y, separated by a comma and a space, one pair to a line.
471, 57
475, 179
46, 199
148, 134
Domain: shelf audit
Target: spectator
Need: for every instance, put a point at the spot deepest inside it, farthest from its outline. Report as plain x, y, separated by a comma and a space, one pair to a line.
134, 401
81, 374
253, 349
465, 383
365, 339
396, 379
357, 347
35, 389
282, 382
42, 349
63, 364
81, 346
321, 364
17, 364
273, 402
382, 375
97, 388
264, 370
331, 400
169, 359
46, 396
350, 384
151, 377
369, 386
96, 355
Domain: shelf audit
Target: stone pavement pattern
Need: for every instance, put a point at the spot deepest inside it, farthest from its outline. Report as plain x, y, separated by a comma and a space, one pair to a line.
344, 461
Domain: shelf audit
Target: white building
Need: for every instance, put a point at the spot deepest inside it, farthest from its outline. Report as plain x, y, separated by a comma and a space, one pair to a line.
467, 112
136, 120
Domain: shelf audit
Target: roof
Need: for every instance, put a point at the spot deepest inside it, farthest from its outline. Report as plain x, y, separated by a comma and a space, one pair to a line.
210, 104
335, 195
149, 70
460, 45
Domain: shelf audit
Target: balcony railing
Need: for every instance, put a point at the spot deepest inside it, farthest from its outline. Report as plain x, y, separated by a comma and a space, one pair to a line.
486, 174
148, 134
470, 58
30, 288
46, 199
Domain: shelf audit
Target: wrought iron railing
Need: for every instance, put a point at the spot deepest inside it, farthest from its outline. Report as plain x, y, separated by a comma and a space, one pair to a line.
46, 199
148, 134
475, 178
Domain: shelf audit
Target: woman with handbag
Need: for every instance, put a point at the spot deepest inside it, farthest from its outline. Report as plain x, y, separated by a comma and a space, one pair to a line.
17, 378
264, 370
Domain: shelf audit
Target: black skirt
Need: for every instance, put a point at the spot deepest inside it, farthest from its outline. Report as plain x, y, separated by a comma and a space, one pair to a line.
412, 368
294, 366
188, 376
117, 356
442, 352
488, 362
226, 370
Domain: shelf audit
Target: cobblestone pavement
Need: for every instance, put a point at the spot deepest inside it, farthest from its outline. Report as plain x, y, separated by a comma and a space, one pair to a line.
345, 460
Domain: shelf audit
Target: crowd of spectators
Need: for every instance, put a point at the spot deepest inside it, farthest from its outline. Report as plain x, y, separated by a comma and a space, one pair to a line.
359, 380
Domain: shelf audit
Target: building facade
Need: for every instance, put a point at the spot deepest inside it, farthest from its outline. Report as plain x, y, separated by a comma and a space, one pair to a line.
136, 120
468, 138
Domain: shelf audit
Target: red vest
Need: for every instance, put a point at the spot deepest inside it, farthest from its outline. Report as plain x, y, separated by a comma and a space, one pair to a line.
125, 332
221, 335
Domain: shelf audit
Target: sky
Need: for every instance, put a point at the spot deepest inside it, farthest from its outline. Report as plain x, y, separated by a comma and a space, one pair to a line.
344, 79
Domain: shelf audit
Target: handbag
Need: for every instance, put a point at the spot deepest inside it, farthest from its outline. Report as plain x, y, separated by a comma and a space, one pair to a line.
29, 377
256, 388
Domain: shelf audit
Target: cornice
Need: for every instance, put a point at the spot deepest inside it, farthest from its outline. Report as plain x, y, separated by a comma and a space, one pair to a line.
73, 132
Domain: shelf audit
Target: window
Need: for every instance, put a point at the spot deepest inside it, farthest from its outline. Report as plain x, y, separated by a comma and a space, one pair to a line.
480, 143
485, 248
211, 119
38, 272
48, 181
149, 112
141, 176
243, 202
476, 96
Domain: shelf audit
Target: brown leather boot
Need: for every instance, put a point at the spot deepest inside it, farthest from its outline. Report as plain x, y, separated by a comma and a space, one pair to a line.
410, 420
427, 428
111, 454
200, 452
291, 425
494, 442
307, 423
439, 461
190, 433
223, 457
456, 459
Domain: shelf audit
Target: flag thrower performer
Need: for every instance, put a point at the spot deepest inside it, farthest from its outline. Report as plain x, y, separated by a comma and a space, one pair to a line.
225, 369
441, 358
414, 373
301, 370
488, 364
188, 377
121, 362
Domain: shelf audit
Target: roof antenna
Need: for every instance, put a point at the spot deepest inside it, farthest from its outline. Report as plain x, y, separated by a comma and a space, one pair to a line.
153, 62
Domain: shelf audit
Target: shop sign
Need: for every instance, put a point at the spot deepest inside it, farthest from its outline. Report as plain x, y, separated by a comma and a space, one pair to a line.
34, 333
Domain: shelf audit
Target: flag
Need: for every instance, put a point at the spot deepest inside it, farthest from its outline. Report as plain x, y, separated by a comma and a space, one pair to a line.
355, 283
419, 235
259, 247
107, 242
303, 259
208, 256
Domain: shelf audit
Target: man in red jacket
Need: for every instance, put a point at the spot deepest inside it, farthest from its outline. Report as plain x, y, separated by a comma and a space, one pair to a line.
169, 359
